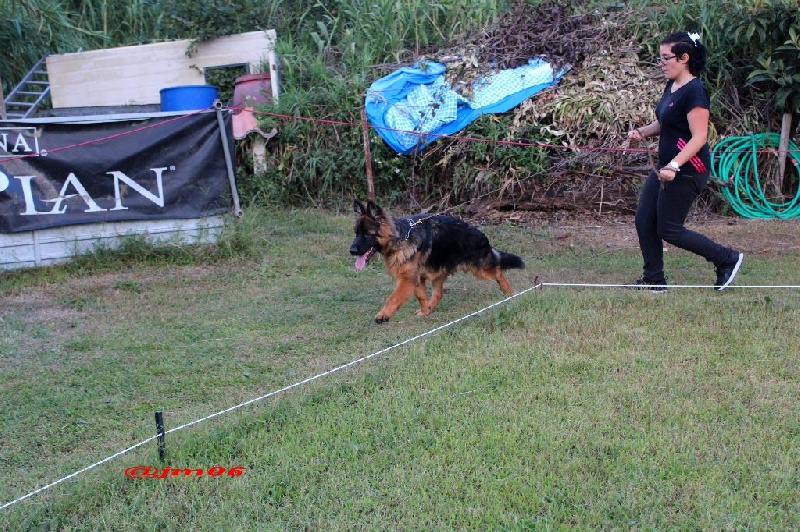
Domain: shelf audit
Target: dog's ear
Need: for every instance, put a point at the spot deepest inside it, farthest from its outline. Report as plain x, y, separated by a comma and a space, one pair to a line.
359, 208
374, 211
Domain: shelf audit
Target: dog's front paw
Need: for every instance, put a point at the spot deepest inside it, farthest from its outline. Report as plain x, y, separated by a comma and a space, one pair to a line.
423, 312
380, 318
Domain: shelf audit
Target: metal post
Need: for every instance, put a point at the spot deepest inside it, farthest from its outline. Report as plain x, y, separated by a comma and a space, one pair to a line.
237, 210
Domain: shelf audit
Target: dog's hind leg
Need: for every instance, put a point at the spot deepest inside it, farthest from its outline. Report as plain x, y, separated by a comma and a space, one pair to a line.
437, 292
403, 289
496, 273
505, 286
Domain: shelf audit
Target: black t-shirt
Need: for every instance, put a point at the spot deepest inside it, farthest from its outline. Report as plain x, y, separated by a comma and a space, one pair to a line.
672, 113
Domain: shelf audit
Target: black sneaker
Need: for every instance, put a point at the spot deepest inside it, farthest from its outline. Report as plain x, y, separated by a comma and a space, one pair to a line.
641, 283
727, 271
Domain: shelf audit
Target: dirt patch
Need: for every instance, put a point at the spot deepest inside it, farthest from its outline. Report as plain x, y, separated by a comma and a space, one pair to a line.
617, 231
63, 303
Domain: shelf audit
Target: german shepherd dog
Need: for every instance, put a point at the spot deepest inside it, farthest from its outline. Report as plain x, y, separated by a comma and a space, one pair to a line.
425, 247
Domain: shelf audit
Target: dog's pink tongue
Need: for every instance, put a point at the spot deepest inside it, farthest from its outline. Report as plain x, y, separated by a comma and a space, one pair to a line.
361, 262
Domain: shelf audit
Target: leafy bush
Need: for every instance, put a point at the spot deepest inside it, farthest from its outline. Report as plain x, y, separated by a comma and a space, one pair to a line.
202, 20
781, 69
754, 55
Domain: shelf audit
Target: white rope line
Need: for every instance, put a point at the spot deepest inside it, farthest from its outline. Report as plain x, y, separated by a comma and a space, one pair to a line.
273, 393
648, 287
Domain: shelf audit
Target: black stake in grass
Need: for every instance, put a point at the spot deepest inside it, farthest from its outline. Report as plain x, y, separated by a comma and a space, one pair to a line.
162, 449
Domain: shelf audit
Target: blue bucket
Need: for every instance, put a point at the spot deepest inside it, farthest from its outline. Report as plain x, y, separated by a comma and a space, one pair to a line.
188, 97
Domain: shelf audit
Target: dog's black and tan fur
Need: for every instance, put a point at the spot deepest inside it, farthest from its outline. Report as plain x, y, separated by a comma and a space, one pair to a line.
425, 247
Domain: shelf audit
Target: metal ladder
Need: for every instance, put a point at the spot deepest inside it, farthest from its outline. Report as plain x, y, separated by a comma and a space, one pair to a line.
24, 100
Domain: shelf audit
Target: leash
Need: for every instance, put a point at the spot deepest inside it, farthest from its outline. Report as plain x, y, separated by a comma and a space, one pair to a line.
413, 224
649, 152
650, 157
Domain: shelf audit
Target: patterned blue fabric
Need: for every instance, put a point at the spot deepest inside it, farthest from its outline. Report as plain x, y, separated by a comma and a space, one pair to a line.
412, 107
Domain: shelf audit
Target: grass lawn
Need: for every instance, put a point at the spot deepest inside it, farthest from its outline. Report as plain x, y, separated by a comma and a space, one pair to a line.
565, 407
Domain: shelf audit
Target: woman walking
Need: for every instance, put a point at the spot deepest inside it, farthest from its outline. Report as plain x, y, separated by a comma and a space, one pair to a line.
684, 161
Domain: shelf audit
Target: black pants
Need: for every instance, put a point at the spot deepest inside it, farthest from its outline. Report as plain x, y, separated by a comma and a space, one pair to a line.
660, 216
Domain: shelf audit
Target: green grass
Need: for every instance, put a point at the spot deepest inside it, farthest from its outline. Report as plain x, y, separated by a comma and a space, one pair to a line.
563, 408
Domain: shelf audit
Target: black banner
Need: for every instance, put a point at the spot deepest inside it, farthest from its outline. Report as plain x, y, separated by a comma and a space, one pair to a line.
155, 167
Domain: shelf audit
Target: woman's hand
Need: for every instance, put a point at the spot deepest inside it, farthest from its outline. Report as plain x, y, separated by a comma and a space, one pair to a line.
635, 134
666, 174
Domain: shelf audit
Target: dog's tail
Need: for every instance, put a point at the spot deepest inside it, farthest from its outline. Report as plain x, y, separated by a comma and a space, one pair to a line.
508, 261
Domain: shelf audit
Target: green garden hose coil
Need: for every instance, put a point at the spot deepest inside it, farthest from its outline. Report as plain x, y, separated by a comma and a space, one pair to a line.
735, 167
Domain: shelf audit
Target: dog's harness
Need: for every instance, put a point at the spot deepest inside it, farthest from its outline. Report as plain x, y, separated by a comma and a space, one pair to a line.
413, 224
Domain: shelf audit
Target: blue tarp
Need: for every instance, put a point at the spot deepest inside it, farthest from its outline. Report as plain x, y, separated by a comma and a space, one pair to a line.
413, 106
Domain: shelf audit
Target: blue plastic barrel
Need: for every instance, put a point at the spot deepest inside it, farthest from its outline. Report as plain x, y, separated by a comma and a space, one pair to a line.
188, 97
